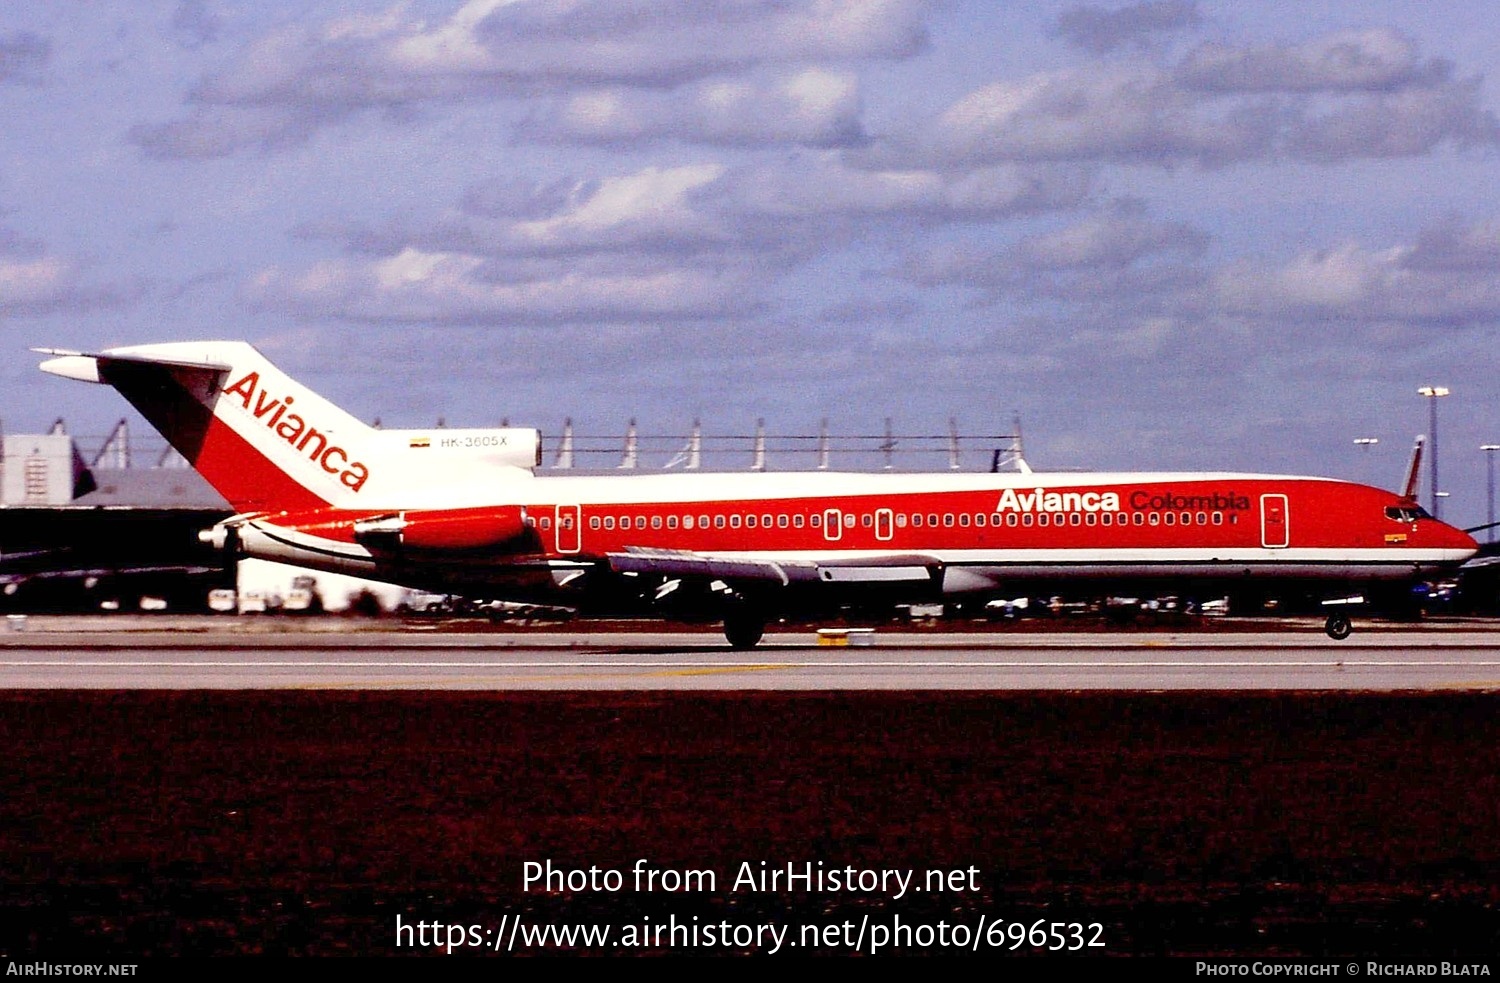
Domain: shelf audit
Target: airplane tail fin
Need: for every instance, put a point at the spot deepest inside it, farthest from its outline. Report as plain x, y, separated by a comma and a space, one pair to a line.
1413, 471
265, 442
269, 444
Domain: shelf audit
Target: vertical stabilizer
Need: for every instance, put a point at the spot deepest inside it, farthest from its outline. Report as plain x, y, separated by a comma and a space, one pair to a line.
1413, 470
264, 441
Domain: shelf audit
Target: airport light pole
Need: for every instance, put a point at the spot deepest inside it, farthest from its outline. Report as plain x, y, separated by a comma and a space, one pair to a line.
1366, 443
1489, 457
1433, 393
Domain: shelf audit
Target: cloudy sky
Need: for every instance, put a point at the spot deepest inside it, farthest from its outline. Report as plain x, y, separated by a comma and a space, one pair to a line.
1170, 234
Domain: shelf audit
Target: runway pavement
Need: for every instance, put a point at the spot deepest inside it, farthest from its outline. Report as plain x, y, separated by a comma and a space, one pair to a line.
85, 654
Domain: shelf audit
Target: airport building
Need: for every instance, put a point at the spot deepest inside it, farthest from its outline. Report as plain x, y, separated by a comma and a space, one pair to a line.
81, 533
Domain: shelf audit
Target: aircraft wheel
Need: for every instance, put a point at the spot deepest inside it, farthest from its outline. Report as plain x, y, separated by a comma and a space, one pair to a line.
1338, 626
743, 630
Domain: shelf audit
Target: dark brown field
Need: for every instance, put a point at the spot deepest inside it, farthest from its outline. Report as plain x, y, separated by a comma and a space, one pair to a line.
148, 824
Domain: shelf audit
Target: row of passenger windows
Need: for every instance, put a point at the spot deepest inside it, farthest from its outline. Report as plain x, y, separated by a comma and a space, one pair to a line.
916, 520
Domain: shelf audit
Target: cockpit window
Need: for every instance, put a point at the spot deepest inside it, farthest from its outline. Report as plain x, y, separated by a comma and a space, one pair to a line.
1406, 513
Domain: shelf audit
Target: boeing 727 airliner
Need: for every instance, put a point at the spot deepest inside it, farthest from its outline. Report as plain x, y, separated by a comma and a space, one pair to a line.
463, 512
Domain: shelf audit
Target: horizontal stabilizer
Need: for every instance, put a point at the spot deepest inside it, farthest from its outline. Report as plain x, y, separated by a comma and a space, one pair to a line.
84, 366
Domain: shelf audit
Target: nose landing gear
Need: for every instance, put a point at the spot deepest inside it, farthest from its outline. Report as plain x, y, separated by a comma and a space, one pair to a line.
1338, 626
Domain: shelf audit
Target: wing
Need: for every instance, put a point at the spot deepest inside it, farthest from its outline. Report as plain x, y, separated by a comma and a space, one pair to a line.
887, 568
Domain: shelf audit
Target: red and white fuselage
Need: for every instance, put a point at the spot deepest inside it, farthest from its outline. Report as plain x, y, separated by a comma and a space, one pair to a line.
462, 511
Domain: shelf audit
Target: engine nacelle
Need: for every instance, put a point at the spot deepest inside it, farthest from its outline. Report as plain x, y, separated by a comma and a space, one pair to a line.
452, 529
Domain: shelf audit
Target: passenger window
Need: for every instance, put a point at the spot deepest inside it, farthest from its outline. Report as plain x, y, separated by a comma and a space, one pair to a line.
1075, 519
916, 520
750, 521
781, 521
703, 521
866, 521
609, 522
687, 522
1202, 518
765, 520
901, 520
797, 520
734, 521
948, 518
656, 522
1171, 518
1156, 518
546, 523
1010, 519
671, 522
593, 522
816, 521
1042, 519
1218, 518
1106, 517
932, 518
640, 522
1090, 519
963, 519
718, 522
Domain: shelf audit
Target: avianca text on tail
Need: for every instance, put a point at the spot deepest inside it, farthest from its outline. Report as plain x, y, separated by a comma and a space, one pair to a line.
467, 514
297, 432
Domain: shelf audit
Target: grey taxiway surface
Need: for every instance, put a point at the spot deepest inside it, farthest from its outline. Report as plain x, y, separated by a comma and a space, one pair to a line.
150, 653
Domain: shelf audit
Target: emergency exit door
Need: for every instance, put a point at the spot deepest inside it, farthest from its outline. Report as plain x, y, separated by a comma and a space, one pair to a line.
1273, 521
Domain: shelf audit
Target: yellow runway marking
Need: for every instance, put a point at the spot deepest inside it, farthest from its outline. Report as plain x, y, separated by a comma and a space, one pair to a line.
721, 670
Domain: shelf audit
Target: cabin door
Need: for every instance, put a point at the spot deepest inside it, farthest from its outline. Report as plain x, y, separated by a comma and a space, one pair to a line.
569, 529
1273, 521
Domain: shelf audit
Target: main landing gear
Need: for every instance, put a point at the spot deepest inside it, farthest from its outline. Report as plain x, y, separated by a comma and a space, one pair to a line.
743, 629
1338, 626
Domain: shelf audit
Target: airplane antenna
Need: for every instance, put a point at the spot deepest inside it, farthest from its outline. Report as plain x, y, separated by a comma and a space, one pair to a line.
564, 459
629, 458
952, 443
59, 428
889, 446
823, 445
758, 457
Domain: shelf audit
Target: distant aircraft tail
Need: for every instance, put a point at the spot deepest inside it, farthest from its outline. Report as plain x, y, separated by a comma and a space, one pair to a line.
1413, 471
269, 444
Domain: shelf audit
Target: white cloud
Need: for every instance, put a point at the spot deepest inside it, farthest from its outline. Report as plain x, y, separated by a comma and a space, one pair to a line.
455, 288
1373, 59
1345, 96
813, 107
310, 76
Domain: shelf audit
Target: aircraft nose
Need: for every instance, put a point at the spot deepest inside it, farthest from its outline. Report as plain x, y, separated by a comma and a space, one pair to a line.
1461, 540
